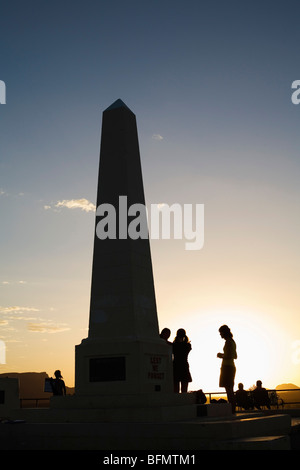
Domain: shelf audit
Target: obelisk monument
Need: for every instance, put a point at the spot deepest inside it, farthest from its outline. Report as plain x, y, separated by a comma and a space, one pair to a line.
123, 353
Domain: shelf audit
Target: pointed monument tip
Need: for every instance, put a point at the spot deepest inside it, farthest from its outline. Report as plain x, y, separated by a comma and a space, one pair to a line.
117, 104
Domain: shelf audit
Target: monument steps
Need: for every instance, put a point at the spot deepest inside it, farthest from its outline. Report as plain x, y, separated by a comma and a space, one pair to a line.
258, 432
254, 443
148, 409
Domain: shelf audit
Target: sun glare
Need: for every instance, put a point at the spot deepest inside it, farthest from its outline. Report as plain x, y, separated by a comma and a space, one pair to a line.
257, 348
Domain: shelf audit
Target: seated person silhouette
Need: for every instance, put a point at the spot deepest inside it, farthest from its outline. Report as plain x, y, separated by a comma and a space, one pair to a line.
242, 398
260, 396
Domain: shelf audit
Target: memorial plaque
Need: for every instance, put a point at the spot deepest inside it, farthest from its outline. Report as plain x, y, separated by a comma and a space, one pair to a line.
107, 369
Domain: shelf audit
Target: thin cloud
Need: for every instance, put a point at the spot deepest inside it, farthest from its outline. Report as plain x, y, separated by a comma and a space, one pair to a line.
17, 309
157, 137
44, 327
20, 317
18, 313
8, 283
3, 192
34, 324
82, 204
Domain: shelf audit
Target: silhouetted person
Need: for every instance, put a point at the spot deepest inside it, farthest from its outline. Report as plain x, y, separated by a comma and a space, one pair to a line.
260, 396
181, 369
165, 334
228, 370
200, 397
242, 397
58, 385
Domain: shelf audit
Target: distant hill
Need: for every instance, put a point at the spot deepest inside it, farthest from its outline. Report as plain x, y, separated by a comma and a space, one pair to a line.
291, 398
286, 387
32, 384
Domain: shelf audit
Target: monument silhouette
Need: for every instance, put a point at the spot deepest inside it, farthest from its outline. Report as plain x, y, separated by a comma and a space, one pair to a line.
124, 397
123, 353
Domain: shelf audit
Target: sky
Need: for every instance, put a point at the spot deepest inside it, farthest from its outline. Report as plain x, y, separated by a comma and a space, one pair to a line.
210, 85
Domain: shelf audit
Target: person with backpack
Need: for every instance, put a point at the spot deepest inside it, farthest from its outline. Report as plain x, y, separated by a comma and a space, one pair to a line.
58, 385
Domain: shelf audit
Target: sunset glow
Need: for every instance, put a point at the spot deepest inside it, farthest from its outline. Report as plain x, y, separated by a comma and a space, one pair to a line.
217, 129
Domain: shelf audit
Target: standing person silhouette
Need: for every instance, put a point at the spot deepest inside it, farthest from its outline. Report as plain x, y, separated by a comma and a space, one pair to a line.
165, 334
181, 369
228, 369
58, 385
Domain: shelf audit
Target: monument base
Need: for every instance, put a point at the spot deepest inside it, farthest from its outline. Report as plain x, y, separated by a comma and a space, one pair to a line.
126, 408
152, 408
131, 367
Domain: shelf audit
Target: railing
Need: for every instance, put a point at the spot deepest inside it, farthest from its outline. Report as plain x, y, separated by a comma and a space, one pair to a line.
37, 401
281, 394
